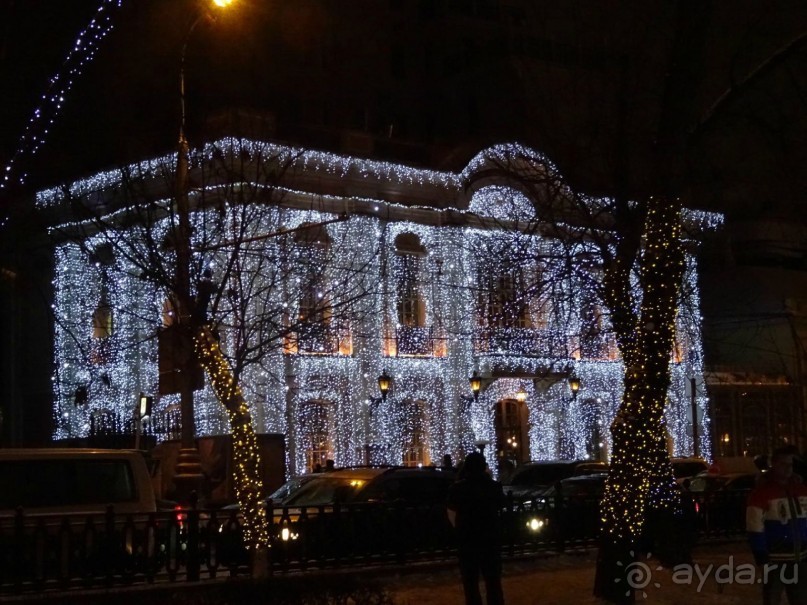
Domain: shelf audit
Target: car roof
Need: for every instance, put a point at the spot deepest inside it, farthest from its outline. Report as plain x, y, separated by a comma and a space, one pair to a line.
354, 473
562, 463
582, 478
62, 452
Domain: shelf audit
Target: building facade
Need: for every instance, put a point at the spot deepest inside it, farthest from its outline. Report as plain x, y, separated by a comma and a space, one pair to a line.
347, 269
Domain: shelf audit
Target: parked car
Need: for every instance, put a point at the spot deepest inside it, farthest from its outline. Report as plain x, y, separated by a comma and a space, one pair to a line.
531, 480
289, 487
408, 485
578, 515
720, 499
713, 482
363, 510
51, 481
686, 468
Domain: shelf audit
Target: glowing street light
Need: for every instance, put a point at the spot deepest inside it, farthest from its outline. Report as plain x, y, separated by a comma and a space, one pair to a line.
574, 385
384, 382
476, 384
521, 395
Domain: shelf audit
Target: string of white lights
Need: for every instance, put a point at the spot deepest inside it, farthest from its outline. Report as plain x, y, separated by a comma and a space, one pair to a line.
325, 401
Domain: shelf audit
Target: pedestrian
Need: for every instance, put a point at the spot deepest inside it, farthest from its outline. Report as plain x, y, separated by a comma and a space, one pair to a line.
448, 463
776, 521
329, 466
475, 502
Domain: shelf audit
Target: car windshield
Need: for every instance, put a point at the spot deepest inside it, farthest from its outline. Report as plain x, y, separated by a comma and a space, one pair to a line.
289, 488
687, 469
68, 482
579, 489
325, 490
540, 474
706, 483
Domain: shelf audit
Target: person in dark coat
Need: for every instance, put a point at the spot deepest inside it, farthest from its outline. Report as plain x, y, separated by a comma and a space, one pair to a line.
475, 502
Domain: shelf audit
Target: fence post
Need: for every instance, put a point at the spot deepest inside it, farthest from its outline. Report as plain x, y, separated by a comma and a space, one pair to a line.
509, 523
110, 551
19, 548
192, 560
560, 517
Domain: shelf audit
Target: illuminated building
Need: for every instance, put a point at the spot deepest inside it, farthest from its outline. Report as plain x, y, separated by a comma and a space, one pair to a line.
458, 274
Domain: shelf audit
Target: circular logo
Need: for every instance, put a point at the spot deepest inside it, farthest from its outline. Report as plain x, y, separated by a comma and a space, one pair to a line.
638, 575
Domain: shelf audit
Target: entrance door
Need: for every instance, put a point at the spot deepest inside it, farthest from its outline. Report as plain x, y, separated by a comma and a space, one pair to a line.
511, 435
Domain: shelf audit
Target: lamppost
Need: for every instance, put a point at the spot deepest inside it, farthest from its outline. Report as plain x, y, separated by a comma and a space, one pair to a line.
384, 383
476, 384
188, 470
142, 413
574, 387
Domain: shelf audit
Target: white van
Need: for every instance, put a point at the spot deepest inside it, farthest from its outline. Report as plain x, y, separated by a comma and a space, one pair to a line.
74, 481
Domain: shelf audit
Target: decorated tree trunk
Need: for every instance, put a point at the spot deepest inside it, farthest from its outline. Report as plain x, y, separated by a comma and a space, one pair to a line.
247, 477
638, 458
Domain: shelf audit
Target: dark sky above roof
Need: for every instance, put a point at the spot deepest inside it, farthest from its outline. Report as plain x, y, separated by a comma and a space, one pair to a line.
569, 70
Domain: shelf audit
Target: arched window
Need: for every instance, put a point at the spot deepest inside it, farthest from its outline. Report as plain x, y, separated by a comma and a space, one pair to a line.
102, 324
409, 297
503, 298
412, 336
312, 246
102, 329
415, 450
316, 417
312, 327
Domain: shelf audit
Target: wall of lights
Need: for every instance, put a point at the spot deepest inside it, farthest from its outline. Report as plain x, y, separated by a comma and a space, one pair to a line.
332, 397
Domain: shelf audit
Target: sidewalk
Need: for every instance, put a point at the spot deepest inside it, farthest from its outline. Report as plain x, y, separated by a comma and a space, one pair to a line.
569, 578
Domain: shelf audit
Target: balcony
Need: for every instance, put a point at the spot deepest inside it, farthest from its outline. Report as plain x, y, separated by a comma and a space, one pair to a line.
515, 341
317, 338
414, 341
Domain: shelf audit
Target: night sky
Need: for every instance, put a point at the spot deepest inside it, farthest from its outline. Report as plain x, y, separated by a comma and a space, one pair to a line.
125, 105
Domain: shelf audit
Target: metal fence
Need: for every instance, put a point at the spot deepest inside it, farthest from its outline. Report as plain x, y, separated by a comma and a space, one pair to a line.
40, 553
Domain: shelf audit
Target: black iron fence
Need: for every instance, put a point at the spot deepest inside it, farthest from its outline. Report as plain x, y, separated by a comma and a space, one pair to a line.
39, 553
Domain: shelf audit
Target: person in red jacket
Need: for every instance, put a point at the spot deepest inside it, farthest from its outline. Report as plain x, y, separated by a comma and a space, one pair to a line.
776, 521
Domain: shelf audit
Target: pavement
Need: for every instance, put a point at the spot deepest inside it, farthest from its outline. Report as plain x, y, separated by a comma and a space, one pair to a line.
721, 573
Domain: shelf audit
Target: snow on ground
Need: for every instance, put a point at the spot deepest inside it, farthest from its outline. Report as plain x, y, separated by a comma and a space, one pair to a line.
721, 575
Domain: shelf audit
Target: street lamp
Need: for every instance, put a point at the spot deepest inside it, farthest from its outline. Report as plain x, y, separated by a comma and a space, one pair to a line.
384, 382
574, 385
521, 395
476, 384
188, 470
142, 413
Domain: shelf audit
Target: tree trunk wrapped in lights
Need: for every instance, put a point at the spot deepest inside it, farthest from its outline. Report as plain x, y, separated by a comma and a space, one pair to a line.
638, 429
248, 482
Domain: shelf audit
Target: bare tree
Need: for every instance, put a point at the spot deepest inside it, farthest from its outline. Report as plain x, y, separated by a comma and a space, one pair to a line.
653, 123
267, 266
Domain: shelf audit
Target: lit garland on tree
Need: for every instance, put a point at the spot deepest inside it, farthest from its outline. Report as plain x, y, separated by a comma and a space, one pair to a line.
638, 427
246, 454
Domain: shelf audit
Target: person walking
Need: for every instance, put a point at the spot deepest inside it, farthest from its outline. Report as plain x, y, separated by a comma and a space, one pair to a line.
776, 521
475, 502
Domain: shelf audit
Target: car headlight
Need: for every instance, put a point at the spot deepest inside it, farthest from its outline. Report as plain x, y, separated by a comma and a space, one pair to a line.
535, 524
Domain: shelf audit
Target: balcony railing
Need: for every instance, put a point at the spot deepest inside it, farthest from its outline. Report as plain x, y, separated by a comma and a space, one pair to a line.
320, 339
515, 341
414, 341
